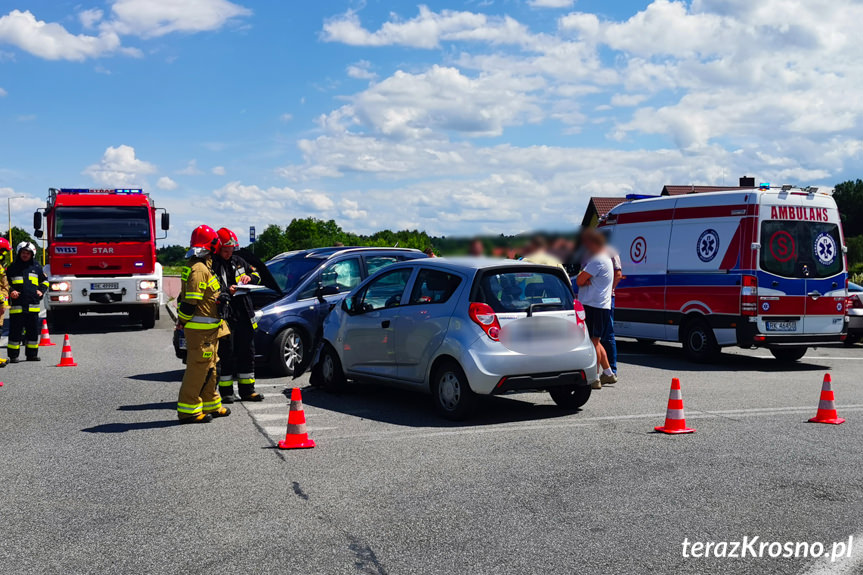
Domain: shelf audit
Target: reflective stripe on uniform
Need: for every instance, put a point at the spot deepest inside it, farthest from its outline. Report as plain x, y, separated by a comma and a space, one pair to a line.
16, 309
34, 309
199, 322
213, 283
15, 345
184, 273
194, 295
184, 316
246, 381
213, 405
34, 279
33, 345
189, 407
17, 280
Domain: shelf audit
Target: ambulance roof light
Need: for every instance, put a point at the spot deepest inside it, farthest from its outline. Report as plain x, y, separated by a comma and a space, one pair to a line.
764, 186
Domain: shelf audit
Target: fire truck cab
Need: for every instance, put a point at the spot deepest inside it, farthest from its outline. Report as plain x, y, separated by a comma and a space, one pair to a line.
102, 254
762, 267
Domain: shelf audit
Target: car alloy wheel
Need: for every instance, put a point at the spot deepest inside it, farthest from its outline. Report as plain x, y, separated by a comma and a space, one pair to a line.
328, 369
293, 350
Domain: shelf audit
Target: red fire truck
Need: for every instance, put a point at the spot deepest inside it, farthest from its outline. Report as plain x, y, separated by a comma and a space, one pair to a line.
102, 250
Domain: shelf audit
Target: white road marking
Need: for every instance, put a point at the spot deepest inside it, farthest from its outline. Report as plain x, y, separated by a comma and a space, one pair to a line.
280, 431
281, 416
586, 422
842, 565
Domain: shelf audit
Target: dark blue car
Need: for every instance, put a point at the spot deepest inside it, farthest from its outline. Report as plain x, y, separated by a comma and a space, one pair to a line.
311, 281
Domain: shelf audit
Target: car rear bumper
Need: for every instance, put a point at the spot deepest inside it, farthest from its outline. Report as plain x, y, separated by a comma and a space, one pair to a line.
486, 364
749, 336
540, 381
855, 323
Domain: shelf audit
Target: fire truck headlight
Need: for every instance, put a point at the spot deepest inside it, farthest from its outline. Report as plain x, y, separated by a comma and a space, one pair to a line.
147, 284
61, 286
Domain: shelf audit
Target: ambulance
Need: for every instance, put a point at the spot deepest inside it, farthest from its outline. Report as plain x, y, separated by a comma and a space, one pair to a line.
761, 267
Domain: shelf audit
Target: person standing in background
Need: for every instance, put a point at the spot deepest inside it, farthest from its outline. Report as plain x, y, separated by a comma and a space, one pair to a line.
5, 248
610, 343
28, 284
594, 282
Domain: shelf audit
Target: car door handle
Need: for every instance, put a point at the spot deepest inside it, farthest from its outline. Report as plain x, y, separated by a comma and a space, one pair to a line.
385, 324
814, 294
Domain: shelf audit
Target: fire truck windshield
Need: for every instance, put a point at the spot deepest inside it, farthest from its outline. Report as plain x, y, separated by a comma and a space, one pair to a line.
102, 224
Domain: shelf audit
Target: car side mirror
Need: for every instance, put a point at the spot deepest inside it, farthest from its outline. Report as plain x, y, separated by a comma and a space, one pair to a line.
323, 290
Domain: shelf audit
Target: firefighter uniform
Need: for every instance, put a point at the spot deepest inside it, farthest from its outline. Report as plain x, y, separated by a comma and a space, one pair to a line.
237, 350
4, 299
198, 314
28, 281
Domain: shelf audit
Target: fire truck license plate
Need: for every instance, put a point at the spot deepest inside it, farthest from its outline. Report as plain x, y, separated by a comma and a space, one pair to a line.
104, 285
781, 326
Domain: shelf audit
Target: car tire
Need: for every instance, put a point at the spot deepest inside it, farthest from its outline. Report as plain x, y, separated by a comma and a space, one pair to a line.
288, 351
699, 343
788, 354
328, 373
571, 397
851, 340
453, 398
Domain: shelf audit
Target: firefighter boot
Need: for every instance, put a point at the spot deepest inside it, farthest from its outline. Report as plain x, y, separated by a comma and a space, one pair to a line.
226, 390
247, 388
221, 412
200, 418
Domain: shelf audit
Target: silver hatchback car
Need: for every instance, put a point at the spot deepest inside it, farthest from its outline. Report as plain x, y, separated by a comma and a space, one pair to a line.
458, 328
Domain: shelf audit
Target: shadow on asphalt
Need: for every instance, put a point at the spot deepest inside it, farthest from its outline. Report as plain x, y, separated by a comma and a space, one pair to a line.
163, 376
671, 357
106, 323
415, 409
149, 406
136, 426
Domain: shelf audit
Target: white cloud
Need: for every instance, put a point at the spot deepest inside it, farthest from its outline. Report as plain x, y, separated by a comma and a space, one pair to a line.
89, 18
426, 30
276, 203
218, 170
153, 18
286, 117
191, 169
441, 99
361, 70
166, 183
119, 168
52, 41
3, 92
551, 3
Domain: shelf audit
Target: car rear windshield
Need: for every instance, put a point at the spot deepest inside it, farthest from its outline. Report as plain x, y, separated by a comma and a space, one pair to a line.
289, 272
515, 290
801, 249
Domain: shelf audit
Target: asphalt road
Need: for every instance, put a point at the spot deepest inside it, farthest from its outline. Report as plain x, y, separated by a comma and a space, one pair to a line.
97, 477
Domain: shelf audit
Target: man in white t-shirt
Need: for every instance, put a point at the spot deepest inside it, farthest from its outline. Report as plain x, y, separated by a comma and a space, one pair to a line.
595, 282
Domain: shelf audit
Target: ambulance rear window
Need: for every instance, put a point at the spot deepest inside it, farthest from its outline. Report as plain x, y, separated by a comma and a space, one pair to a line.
801, 249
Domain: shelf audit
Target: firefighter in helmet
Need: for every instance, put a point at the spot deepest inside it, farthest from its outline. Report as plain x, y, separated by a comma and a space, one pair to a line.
237, 350
4, 286
198, 314
27, 284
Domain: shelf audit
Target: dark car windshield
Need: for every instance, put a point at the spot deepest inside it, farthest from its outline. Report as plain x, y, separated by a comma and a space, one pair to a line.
515, 290
102, 223
290, 272
801, 249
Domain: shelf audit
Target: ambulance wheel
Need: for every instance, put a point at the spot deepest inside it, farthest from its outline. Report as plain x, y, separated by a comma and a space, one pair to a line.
788, 354
699, 343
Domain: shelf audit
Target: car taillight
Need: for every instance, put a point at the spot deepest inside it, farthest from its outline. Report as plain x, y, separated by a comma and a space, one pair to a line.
579, 313
749, 296
484, 317
853, 302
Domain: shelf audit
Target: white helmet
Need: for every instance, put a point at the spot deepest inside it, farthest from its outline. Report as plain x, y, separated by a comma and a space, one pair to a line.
26, 246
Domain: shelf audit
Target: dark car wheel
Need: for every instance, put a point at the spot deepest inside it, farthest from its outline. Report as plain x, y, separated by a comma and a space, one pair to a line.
288, 351
788, 354
699, 343
451, 392
570, 397
328, 372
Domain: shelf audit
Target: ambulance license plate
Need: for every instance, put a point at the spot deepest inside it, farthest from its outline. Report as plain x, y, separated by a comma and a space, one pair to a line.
781, 326
104, 285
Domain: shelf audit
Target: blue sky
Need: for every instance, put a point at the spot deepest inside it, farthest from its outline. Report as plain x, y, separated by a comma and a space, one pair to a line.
457, 118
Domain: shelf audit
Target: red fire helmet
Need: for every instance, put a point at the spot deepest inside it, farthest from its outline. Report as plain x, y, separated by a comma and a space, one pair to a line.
205, 237
227, 238
4, 245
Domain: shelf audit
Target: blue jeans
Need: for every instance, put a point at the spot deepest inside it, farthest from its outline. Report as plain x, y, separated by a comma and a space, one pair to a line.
609, 343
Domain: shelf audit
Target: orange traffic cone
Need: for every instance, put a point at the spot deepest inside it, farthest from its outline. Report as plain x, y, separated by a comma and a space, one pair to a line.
45, 339
675, 421
826, 408
296, 436
66, 359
